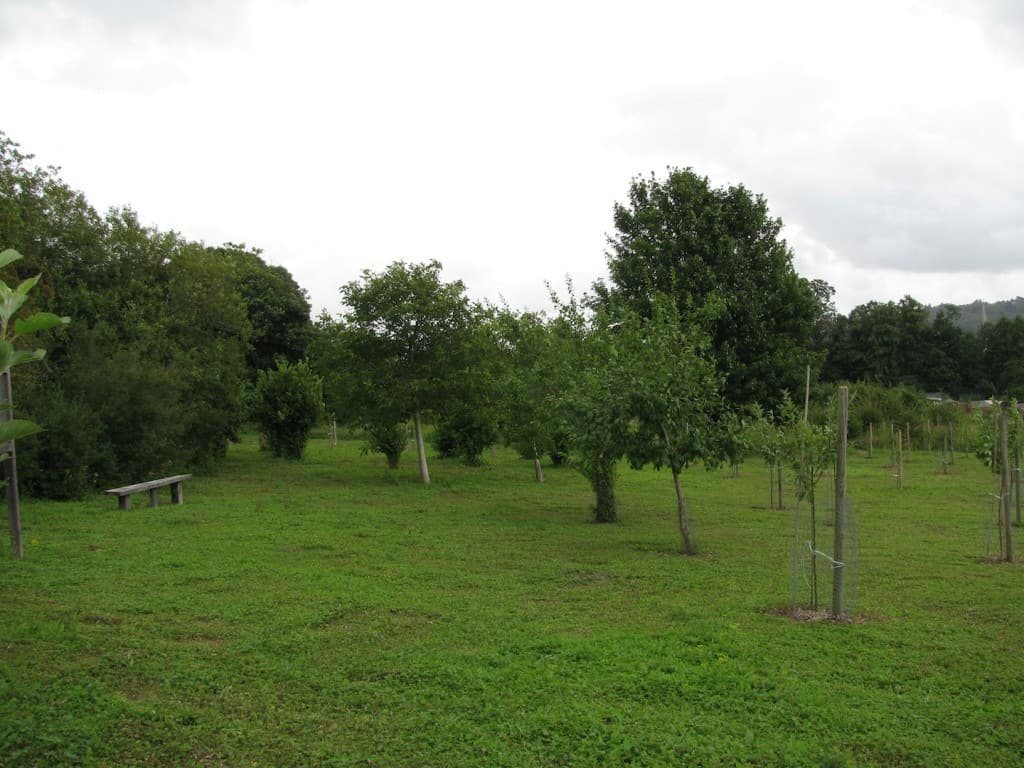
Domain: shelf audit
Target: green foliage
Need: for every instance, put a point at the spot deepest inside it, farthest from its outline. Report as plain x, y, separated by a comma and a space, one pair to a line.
595, 409
389, 439
880, 405
985, 435
677, 413
719, 254
276, 307
537, 371
409, 330
811, 452
62, 461
1002, 357
160, 341
356, 387
288, 403
767, 432
11, 301
466, 432
768, 435
466, 424
136, 402
409, 343
897, 343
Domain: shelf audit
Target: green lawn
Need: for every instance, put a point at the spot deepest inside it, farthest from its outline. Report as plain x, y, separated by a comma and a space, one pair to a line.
331, 613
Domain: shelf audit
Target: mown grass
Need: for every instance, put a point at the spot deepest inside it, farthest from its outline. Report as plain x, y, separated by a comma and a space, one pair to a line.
331, 613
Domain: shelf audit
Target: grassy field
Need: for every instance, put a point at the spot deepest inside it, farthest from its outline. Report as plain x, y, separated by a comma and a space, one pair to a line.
331, 613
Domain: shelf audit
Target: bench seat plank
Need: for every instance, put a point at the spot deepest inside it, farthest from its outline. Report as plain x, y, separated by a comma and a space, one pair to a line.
124, 493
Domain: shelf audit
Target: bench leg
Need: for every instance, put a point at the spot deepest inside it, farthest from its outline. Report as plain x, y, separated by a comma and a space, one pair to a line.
153, 499
176, 494
124, 502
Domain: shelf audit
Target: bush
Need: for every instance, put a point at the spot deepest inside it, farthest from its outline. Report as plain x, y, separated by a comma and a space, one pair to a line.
287, 404
65, 460
389, 439
466, 433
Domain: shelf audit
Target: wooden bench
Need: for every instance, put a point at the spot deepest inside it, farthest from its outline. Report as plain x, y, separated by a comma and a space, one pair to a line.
124, 494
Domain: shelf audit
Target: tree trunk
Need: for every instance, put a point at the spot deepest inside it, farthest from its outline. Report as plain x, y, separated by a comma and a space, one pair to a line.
603, 482
689, 548
538, 472
393, 458
421, 451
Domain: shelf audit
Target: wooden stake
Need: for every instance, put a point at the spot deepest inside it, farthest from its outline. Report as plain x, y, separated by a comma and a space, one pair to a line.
1016, 481
778, 477
899, 459
839, 566
807, 394
1004, 485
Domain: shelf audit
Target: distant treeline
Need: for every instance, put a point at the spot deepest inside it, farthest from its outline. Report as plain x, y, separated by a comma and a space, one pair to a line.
970, 317
903, 344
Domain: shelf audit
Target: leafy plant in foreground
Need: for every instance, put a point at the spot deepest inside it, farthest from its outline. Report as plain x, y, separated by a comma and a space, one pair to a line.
11, 429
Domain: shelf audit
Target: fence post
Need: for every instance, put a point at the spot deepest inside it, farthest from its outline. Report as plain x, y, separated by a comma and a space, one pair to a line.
839, 566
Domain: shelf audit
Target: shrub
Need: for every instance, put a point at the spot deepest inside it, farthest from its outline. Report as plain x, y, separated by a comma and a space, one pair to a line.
288, 402
64, 461
465, 433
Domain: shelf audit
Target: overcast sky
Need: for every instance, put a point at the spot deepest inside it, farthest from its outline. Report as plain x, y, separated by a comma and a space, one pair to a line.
496, 136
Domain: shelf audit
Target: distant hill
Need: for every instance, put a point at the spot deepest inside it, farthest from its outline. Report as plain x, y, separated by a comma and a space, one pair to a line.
971, 314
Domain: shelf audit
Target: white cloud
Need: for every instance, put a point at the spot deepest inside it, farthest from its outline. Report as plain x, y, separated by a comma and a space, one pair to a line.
495, 138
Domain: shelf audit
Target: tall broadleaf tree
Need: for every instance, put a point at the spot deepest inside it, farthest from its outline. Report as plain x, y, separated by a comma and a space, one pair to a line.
408, 334
719, 254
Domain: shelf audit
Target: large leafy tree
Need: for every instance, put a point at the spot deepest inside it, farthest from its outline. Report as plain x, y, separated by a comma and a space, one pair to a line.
276, 306
718, 253
408, 337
